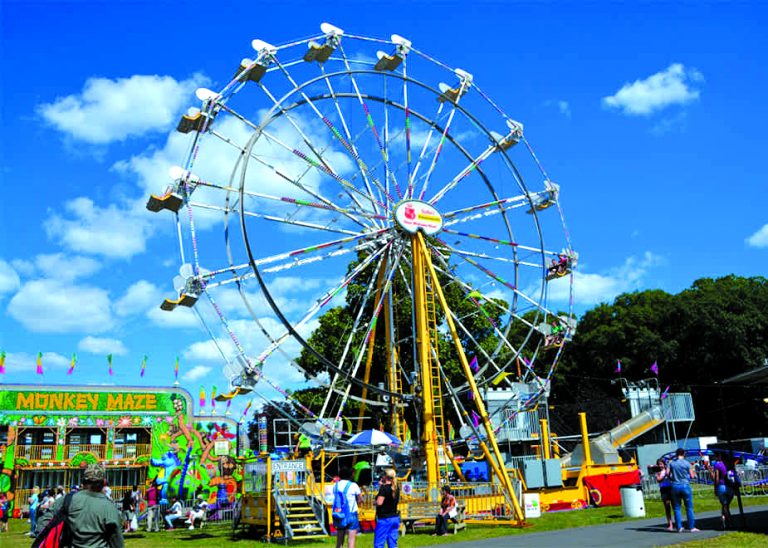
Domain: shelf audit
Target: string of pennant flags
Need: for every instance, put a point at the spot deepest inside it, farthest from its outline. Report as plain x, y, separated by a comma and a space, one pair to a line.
39, 370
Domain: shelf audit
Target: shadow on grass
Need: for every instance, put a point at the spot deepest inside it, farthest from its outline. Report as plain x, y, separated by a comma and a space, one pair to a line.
198, 536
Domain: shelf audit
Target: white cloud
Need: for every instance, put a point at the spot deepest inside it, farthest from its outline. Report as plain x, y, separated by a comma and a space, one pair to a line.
759, 238
139, 297
673, 86
180, 317
590, 288
111, 231
563, 106
9, 279
196, 373
114, 110
60, 266
97, 345
55, 306
207, 351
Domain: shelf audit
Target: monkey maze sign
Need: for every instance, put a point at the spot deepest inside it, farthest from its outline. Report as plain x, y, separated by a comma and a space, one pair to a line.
86, 402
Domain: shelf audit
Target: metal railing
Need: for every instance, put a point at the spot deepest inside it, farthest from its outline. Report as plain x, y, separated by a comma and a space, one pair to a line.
754, 483
131, 451
99, 450
481, 500
37, 452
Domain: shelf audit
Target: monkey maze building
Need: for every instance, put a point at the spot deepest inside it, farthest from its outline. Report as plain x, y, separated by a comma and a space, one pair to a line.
49, 434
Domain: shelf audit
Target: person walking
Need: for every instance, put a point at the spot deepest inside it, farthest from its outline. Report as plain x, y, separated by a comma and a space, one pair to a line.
447, 508
92, 517
353, 496
681, 473
387, 516
665, 491
723, 489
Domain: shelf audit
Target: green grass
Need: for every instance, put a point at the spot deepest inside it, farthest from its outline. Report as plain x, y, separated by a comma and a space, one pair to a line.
217, 535
729, 540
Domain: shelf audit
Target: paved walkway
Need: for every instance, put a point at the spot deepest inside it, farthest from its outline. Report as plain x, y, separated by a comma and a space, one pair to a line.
641, 533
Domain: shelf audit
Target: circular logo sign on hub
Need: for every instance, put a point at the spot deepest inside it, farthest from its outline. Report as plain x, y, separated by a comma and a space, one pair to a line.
412, 215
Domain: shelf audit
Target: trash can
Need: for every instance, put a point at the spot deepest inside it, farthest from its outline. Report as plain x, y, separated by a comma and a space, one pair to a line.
632, 502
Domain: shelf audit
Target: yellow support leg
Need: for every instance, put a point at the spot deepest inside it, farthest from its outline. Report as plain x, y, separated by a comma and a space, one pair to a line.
496, 463
429, 436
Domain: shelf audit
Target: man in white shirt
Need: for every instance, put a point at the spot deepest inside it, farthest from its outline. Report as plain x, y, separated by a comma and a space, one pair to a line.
174, 512
354, 496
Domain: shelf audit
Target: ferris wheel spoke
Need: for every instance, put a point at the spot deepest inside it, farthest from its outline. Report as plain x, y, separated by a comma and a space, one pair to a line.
349, 188
272, 218
329, 206
462, 174
517, 259
414, 174
321, 162
369, 118
365, 171
324, 300
345, 142
296, 182
439, 148
371, 326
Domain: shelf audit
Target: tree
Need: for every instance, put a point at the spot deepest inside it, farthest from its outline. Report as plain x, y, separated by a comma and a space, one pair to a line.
712, 331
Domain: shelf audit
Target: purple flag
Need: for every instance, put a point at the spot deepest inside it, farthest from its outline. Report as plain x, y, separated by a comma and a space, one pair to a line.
473, 365
665, 394
618, 366
655, 369
475, 419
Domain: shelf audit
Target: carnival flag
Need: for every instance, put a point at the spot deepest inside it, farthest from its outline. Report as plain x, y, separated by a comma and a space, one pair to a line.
473, 365
213, 399
229, 403
475, 419
143, 366
109, 361
655, 369
665, 394
2, 362
176, 372
202, 398
39, 363
72, 364
618, 367
245, 411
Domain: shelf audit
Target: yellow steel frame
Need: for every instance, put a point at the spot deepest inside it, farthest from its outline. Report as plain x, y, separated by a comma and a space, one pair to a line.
423, 267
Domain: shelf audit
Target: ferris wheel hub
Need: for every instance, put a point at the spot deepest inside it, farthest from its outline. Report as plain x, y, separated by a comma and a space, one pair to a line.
414, 215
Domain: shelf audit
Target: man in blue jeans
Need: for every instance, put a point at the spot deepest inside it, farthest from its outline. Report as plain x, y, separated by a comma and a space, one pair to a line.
680, 474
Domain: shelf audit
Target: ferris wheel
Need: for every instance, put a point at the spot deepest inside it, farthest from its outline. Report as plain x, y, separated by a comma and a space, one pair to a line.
376, 195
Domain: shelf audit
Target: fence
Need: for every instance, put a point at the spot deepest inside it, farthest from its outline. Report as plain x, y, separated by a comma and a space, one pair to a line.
218, 512
754, 483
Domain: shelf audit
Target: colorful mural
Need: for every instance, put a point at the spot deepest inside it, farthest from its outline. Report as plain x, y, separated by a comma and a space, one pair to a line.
149, 433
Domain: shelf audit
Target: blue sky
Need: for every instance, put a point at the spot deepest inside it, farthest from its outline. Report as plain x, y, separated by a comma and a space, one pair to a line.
651, 118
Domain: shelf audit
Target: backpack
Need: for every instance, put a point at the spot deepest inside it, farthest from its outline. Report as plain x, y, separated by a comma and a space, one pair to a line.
57, 534
341, 513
